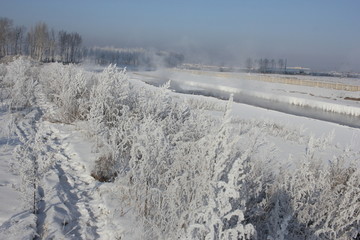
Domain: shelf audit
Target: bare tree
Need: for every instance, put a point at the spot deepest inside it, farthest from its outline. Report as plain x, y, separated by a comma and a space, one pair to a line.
273, 65
69, 46
5, 33
249, 64
281, 64
18, 39
38, 40
75, 43
29, 46
266, 63
63, 43
263, 65
52, 45
260, 64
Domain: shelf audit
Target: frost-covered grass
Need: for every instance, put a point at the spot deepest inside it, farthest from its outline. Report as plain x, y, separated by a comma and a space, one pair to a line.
186, 167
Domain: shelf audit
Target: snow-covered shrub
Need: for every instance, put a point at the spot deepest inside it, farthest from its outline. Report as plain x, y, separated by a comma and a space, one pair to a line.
108, 98
158, 149
4, 91
326, 200
317, 200
21, 77
210, 104
222, 215
67, 86
109, 119
2, 73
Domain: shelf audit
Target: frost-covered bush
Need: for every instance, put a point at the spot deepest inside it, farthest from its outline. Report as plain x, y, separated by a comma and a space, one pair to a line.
4, 91
68, 87
220, 203
21, 78
317, 200
325, 201
158, 149
2, 73
110, 121
211, 104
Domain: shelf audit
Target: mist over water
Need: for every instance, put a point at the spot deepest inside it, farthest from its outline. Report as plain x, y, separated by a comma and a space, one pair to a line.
249, 99
342, 119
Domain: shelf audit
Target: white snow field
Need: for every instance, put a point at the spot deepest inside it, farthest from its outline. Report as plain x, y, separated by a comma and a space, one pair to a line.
103, 155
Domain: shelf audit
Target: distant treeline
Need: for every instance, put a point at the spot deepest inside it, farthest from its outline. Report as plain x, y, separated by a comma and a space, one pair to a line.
265, 65
47, 45
135, 57
39, 42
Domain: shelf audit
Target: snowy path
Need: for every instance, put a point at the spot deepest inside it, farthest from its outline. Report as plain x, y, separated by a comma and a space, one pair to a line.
9, 197
65, 210
79, 207
70, 203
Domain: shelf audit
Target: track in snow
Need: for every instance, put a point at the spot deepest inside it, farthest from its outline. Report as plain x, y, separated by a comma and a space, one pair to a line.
67, 210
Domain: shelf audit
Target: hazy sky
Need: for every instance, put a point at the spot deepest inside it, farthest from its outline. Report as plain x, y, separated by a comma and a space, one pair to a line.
320, 34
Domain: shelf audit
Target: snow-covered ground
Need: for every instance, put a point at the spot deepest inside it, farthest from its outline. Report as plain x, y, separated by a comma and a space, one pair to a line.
9, 198
72, 204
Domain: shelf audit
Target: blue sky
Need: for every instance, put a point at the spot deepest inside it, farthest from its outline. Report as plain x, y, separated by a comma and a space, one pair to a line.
320, 34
